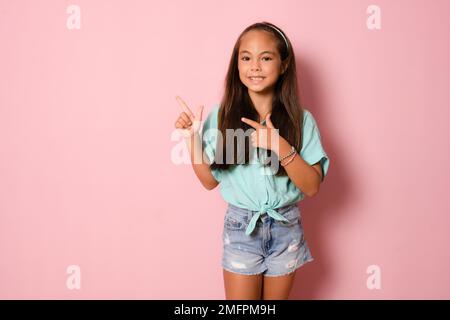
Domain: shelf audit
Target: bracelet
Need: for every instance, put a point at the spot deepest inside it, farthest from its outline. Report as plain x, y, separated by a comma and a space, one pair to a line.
289, 161
289, 154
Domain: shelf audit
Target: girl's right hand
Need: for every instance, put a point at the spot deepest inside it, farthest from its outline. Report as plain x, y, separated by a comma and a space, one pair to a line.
188, 123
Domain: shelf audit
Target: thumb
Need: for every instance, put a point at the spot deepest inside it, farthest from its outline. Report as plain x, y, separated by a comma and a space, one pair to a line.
269, 122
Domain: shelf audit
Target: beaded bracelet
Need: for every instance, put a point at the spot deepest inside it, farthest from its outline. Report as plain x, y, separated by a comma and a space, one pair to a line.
289, 161
289, 154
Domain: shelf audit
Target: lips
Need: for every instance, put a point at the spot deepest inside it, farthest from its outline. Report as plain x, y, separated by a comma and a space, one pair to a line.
256, 80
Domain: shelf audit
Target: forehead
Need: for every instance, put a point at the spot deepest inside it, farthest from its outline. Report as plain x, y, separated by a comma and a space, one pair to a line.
258, 40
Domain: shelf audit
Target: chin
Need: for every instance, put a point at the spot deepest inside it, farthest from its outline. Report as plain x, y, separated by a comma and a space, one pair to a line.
258, 88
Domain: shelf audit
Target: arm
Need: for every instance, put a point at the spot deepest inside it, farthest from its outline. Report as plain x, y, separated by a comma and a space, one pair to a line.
190, 124
306, 177
199, 162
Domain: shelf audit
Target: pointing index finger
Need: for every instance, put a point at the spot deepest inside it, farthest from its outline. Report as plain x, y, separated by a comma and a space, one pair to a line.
252, 123
185, 107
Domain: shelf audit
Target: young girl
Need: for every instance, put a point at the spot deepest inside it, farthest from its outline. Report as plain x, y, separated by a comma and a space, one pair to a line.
263, 241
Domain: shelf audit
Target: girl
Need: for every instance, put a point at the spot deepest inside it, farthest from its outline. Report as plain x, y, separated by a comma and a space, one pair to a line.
263, 241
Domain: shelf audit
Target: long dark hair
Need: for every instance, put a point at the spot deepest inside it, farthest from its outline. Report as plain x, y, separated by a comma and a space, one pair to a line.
287, 114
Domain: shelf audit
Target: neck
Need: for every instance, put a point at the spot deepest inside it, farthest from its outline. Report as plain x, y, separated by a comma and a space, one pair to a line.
262, 102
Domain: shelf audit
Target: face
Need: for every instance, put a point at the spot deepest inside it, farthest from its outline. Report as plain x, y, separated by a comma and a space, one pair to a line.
258, 57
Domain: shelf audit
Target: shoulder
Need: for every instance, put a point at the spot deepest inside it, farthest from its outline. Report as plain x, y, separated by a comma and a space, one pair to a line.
308, 118
214, 110
212, 118
306, 114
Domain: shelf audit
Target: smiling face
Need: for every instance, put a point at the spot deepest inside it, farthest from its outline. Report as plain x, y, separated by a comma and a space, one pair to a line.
259, 61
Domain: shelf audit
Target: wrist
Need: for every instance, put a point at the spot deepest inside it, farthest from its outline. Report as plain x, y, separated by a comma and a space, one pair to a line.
288, 159
283, 148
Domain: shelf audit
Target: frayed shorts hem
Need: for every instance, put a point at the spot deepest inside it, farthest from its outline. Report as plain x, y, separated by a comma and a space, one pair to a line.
269, 275
242, 273
289, 272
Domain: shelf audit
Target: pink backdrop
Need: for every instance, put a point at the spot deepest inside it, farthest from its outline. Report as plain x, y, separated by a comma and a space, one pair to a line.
87, 176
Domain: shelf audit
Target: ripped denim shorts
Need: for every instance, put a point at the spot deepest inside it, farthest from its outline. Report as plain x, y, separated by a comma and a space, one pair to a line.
274, 247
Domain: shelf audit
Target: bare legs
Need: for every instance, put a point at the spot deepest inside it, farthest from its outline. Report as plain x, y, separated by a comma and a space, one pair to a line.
242, 287
278, 288
257, 287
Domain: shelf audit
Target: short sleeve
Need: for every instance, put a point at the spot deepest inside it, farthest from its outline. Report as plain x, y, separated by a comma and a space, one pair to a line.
209, 139
312, 150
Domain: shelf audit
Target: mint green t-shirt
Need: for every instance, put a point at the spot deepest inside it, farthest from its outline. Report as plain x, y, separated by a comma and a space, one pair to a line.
254, 186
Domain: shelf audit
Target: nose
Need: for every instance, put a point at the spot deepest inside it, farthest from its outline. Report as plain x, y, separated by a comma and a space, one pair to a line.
255, 66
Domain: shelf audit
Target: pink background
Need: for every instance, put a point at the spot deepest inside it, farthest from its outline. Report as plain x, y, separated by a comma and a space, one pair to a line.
87, 179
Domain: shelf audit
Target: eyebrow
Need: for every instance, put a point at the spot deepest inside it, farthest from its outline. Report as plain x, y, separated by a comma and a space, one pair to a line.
267, 51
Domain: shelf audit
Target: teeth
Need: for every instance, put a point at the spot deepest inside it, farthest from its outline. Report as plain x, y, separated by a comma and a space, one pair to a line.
256, 78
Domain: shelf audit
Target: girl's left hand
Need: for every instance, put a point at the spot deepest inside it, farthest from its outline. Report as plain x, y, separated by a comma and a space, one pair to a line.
266, 137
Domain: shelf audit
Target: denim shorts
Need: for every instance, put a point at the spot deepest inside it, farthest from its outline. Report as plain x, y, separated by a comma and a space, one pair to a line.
274, 248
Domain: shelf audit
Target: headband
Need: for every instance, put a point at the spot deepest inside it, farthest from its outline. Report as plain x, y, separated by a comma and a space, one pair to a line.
285, 40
